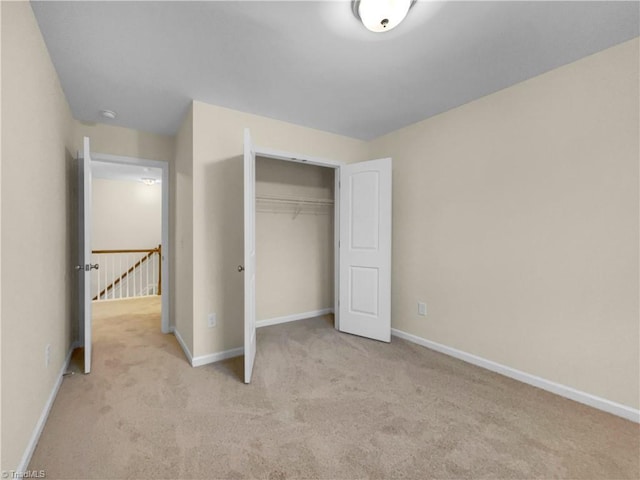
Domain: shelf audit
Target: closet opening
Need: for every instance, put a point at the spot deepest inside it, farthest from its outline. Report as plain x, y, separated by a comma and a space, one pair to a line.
361, 247
295, 240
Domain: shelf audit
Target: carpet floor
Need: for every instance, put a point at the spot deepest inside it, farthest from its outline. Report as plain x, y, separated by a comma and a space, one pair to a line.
321, 405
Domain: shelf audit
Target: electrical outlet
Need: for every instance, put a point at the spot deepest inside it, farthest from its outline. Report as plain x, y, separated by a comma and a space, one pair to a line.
422, 309
212, 321
47, 355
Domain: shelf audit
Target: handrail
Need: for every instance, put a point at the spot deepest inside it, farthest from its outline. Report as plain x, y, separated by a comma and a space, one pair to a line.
150, 252
140, 250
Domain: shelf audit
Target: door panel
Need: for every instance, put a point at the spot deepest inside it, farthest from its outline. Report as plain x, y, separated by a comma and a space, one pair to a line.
365, 249
84, 260
249, 256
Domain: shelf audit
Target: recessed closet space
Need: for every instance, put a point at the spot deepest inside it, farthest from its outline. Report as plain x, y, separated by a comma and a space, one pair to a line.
294, 240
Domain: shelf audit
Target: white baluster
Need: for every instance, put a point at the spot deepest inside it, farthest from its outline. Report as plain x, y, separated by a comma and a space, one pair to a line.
153, 275
99, 273
146, 268
103, 274
105, 270
134, 277
113, 276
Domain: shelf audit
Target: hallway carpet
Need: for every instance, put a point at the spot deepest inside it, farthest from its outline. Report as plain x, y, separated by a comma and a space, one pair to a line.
322, 405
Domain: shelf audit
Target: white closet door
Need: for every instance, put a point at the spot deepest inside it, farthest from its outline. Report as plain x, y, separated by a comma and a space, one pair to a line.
249, 256
84, 266
365, 249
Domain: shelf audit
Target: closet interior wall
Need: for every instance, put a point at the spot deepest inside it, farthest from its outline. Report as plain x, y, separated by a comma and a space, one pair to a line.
294, 238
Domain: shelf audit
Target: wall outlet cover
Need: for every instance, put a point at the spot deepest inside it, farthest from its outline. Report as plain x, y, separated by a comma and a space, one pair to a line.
422, 309
212, 321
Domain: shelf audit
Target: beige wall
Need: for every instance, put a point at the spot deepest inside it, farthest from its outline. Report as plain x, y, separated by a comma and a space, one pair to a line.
218, 214
38, 228
126, 142
516, 220
182, 233
294, 243
126, 214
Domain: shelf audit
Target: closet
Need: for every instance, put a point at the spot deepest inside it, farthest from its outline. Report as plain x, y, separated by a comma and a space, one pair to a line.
306, 243
294, 241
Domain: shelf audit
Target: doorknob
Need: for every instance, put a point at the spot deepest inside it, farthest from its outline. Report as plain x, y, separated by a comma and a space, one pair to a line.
240, 268
88, 267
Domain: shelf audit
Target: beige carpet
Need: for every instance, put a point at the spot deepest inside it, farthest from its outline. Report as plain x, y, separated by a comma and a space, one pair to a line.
322, 405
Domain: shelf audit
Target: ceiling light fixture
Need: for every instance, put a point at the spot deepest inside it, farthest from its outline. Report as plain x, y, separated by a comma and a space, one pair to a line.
110, 114
381, 15
149, 181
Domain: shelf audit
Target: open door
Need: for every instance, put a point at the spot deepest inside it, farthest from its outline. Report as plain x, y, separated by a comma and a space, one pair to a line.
365, 249
84, 266
249, 256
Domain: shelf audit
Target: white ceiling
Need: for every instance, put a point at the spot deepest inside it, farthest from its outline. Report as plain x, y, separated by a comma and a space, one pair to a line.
120, 171
311, 63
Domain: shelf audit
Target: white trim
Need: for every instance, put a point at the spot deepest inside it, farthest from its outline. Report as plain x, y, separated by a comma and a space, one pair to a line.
336, 249
216, 357
166, 240
37, 431
183, 345
206, 359
553, 387
292, 318
295, 157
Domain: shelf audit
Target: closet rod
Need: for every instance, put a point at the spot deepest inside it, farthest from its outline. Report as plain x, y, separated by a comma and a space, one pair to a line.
293, 200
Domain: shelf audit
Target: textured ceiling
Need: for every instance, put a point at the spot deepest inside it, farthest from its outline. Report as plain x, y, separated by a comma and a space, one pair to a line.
311, 63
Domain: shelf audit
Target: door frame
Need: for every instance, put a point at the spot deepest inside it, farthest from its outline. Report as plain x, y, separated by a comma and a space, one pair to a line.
166, 239
319, 162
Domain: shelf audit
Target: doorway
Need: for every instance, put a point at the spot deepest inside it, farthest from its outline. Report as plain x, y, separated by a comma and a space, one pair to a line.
86, 264
294, 241
133, 247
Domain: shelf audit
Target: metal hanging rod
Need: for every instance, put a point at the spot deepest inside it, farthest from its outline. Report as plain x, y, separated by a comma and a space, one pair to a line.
290, 200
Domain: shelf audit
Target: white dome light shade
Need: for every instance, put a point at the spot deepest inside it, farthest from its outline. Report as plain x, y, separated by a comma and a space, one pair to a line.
382, 15
110, 114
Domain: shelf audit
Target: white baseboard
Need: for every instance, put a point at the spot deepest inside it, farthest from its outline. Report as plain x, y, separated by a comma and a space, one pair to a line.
553, 387
292, 318
217, 357
183, 345
37, 431
206, 359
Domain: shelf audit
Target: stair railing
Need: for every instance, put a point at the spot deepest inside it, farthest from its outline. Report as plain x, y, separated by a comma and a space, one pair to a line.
127, 273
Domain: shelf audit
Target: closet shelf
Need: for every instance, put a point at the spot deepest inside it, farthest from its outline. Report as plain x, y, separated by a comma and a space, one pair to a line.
290, 200
293, 204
